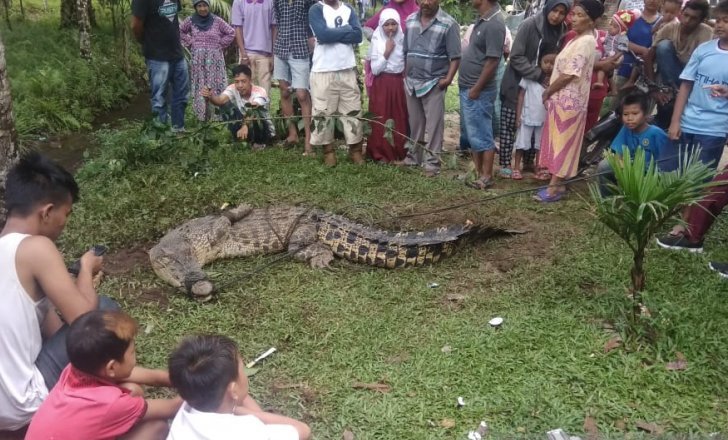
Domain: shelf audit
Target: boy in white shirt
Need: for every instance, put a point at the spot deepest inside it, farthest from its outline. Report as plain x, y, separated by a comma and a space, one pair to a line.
530, 114
208, 373
241, 94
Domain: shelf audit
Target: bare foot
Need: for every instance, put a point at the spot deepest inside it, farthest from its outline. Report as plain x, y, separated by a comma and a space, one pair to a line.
291, 140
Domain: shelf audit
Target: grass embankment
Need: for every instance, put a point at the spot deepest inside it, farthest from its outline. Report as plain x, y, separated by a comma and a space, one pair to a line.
555, 286
54, 90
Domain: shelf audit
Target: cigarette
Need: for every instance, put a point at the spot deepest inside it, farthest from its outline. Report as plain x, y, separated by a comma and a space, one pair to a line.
252, 363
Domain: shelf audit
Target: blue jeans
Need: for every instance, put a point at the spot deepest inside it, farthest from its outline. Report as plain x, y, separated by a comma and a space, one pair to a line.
605, 175
668, 64
711, 149
53, 357
476, 119
164, 75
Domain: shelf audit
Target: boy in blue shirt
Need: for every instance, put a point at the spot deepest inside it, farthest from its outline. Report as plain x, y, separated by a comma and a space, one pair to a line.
635, 133
699, 119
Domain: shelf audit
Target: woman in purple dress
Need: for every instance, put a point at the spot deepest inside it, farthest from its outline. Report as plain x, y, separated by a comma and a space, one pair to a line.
206, 36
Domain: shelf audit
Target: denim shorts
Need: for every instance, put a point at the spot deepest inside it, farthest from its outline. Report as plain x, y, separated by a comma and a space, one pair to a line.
294, 72
476, 118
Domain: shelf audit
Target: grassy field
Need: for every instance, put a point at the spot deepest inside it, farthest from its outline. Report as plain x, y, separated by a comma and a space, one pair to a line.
557, 286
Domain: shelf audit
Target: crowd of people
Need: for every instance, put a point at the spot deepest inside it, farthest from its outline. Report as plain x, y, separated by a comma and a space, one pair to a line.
69, 368
537, 94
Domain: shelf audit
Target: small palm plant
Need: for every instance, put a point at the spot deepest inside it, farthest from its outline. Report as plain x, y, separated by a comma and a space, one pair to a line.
643, 199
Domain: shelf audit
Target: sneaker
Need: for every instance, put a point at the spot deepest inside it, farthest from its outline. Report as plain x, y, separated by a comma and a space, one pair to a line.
679, 242
721, 268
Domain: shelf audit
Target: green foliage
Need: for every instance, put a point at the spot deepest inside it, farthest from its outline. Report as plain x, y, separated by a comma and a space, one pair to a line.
53, 88
153, 143
461, 10
643, 199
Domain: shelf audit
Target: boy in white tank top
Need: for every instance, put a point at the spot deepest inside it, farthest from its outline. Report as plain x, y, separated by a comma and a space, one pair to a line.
36, 290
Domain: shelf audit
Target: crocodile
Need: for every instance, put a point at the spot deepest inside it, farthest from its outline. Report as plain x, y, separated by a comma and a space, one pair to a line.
309, 235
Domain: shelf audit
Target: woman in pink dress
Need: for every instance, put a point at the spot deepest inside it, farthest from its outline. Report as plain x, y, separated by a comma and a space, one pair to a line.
206, 36
566, 100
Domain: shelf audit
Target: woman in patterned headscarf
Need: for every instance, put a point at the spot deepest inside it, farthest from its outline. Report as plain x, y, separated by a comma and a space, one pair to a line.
206, 36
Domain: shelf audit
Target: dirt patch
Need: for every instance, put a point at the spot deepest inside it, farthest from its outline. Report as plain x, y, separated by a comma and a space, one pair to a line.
154, 295
308, 395
451, 138
126, 260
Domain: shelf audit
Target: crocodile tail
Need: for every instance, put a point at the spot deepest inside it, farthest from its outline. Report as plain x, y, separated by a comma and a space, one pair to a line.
379, 248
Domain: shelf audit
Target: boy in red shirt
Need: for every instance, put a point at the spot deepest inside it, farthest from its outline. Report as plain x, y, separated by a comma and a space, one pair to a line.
98, 395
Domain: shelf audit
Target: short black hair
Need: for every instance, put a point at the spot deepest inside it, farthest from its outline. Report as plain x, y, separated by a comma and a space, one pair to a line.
677, 2
721, 8
34, 180
242, 68
701, 6
202, 367
98, 336
548, 51
637, 98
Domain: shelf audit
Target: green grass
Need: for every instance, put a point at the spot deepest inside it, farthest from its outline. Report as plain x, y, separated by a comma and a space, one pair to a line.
53, 88
554, 285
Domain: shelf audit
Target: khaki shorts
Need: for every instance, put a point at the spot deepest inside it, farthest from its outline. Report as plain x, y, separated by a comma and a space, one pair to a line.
335, 92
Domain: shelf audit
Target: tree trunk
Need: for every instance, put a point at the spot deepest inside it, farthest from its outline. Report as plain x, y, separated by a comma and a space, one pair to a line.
6, 7
638, 283
8, 136
84, 28
70, 16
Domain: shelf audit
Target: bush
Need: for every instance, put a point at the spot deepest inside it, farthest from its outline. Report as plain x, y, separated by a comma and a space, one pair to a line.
53, 88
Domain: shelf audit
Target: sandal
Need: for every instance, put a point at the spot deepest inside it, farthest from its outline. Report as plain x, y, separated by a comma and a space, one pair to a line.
505, 173
481, 184
544, 197
516, 175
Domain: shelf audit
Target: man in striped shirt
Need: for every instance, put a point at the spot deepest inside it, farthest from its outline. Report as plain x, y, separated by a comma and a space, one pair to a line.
432, 52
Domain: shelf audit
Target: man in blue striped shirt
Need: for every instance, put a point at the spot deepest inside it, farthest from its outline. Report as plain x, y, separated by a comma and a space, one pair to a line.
432, 53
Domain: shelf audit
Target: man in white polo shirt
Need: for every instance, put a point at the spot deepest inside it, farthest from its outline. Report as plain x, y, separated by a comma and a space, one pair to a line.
333, 75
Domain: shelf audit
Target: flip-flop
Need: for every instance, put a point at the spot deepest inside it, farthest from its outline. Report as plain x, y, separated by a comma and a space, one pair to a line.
516, 175
544, 197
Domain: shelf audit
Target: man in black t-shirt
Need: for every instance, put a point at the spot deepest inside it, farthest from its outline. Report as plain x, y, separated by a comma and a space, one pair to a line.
156, 27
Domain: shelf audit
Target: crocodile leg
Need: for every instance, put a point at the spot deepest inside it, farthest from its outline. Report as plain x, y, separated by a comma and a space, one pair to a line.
303, 242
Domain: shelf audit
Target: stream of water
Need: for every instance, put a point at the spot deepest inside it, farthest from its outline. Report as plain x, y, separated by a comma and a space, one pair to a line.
68, 149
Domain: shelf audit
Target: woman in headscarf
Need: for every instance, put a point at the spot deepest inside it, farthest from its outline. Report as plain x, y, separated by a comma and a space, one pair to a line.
566, 100
387, 99
538, 33
206, 36
606, 65
403, 7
